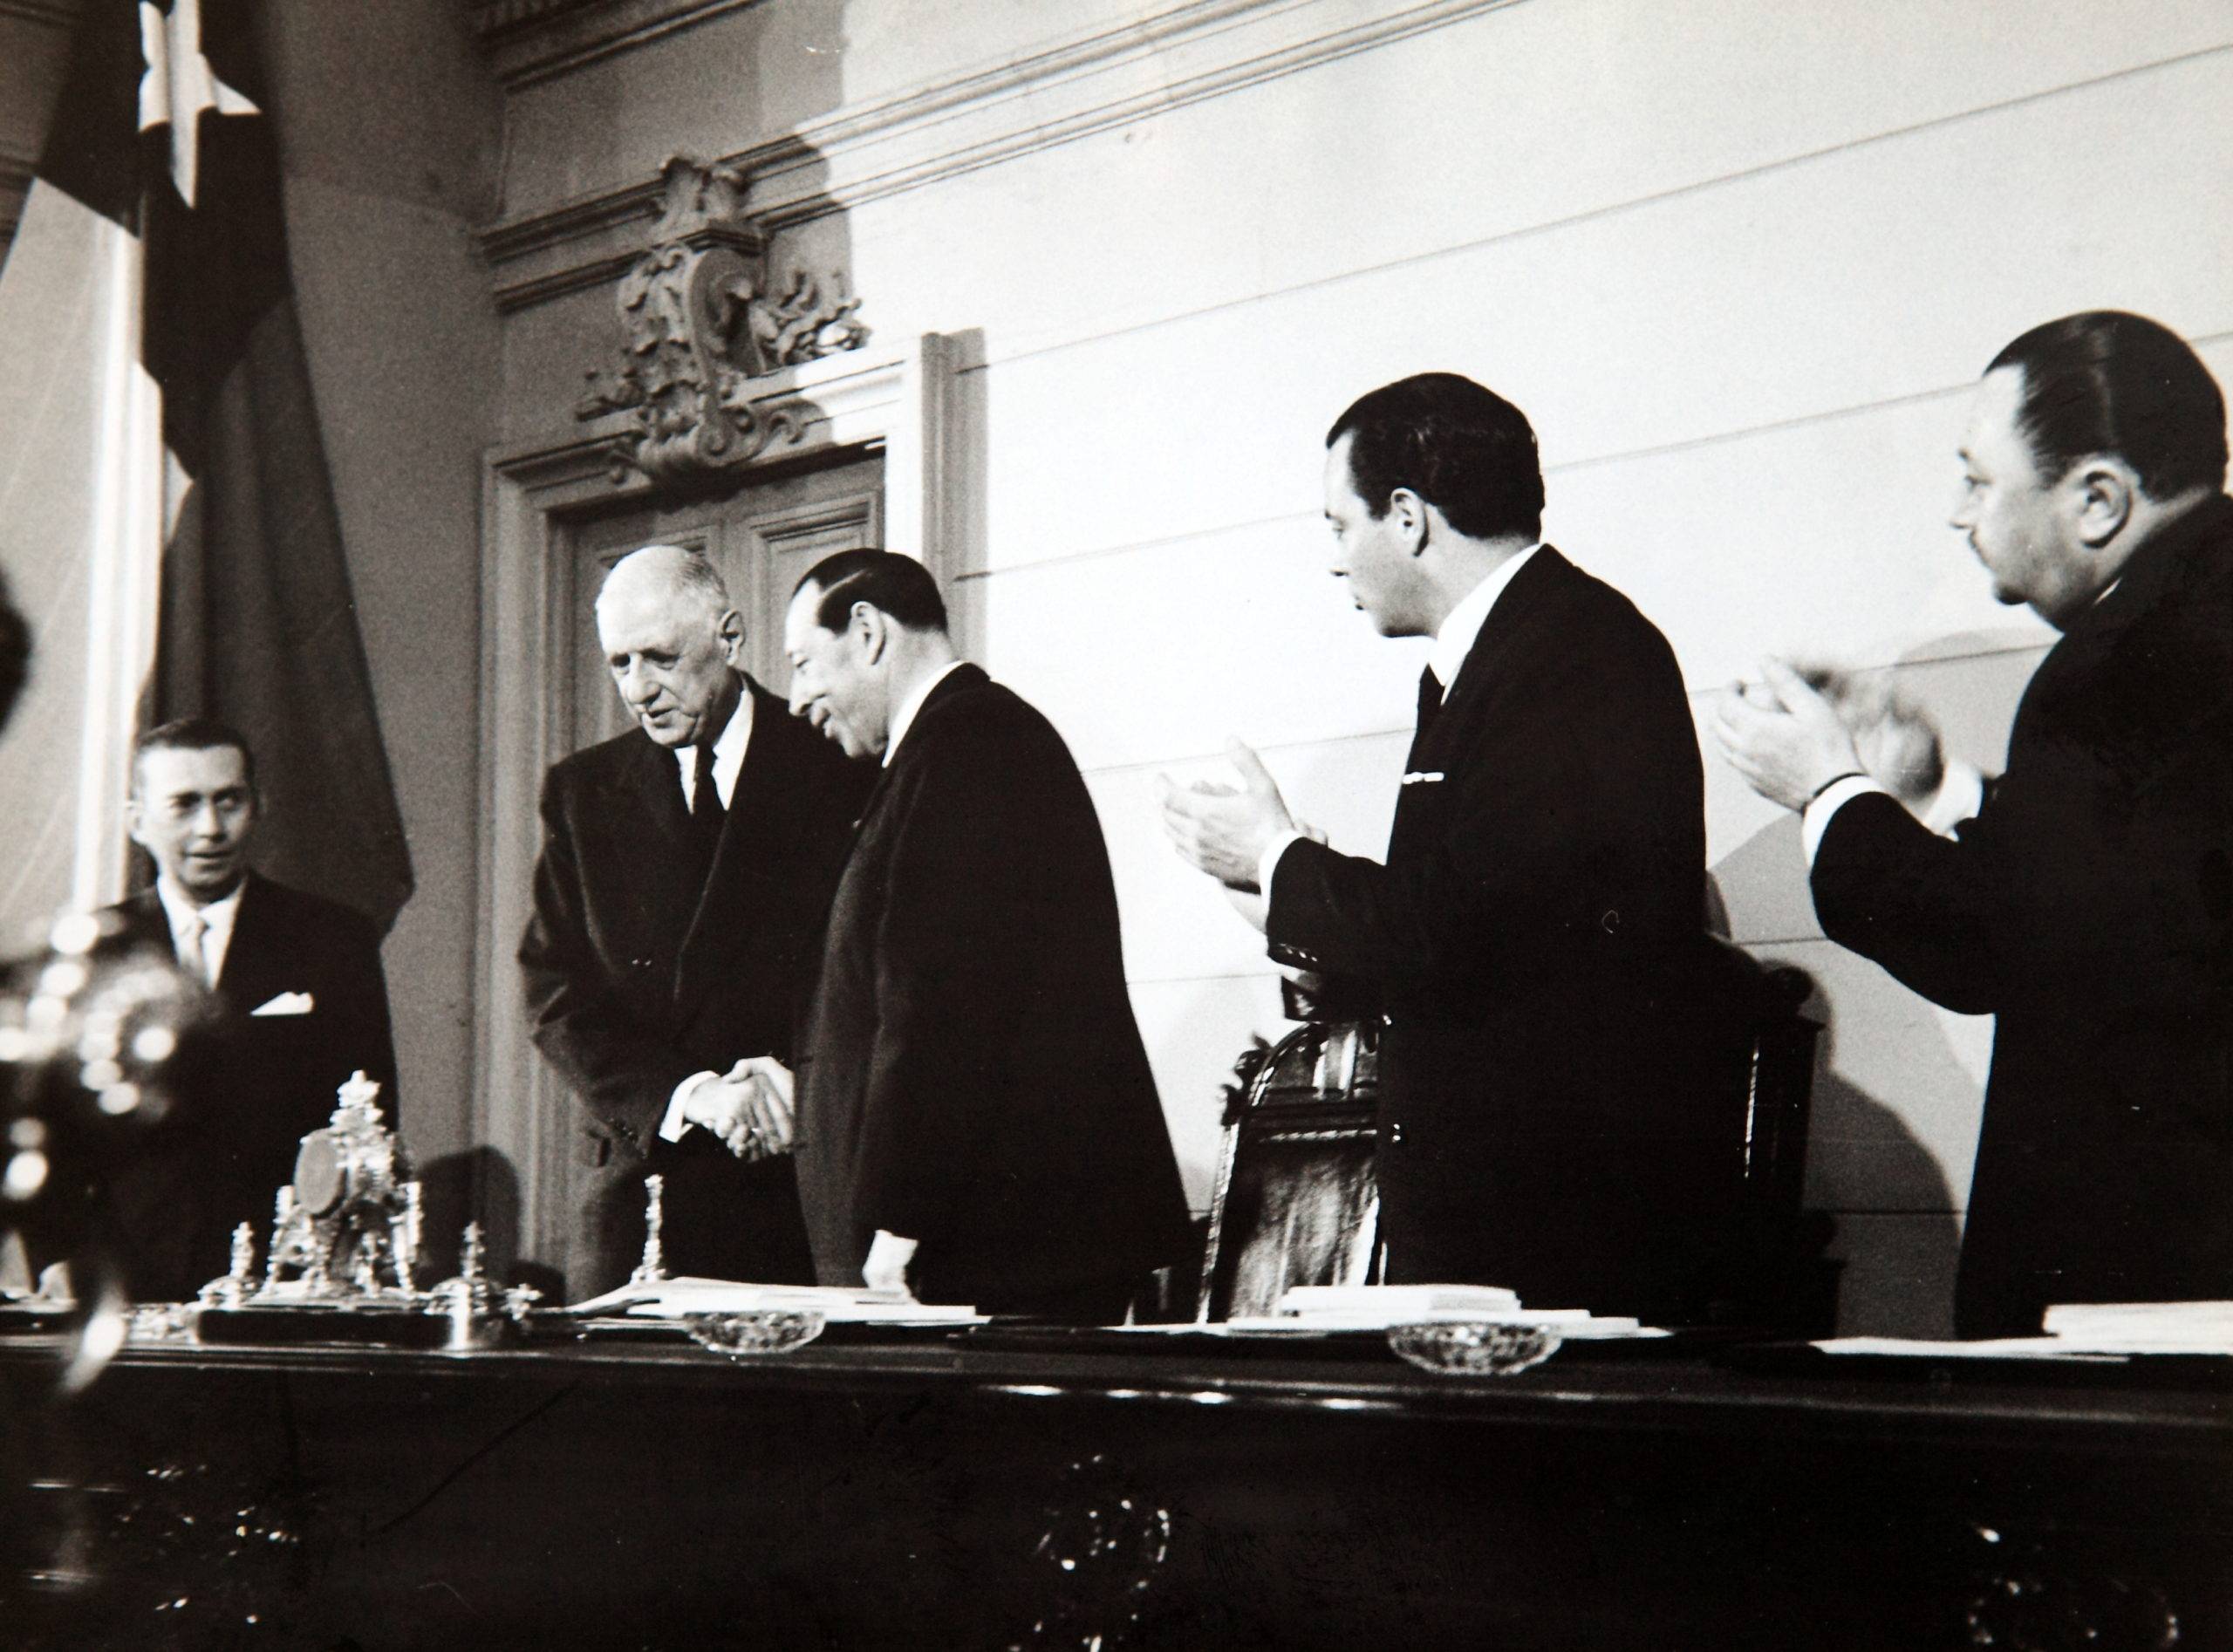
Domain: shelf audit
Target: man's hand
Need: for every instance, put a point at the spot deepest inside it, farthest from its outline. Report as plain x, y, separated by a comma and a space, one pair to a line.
1895, 743
1224, 830
1783, 737
774, 1106
889, 1257
747, 1108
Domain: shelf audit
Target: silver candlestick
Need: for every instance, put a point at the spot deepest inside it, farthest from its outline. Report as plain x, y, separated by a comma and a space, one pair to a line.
653, 1267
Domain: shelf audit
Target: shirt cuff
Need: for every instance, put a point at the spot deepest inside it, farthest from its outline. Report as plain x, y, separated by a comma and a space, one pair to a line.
1816, 820
673, 1126
1960, 794
1269, 861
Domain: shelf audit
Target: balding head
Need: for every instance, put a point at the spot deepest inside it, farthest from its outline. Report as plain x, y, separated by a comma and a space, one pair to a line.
673, 642
673, 572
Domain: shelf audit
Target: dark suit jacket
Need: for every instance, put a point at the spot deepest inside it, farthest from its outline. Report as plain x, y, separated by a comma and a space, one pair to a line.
973, 1078
2090, 906
249, 1088
1536, 942
642, 968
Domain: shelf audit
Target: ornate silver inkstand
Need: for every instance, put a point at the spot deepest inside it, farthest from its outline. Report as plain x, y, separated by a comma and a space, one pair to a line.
344, 1240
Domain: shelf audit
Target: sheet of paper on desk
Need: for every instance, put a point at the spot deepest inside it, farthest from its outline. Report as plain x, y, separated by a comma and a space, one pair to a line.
2005, 1347
1574, 1323
1303, 1309
1398, 1304
2144, 1327
673, 1298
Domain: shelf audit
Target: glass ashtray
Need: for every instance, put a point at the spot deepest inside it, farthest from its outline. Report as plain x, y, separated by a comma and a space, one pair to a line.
760, 1331
1474, 1347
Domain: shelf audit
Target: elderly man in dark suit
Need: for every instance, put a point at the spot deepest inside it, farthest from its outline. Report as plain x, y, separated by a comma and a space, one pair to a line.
2085, 897
686, 872
300, 1004
1535, 938
979, 1123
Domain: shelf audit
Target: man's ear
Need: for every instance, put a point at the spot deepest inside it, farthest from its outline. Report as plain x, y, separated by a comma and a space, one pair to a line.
1409, 513
135, 824
2098, 494
871, 629
730, 628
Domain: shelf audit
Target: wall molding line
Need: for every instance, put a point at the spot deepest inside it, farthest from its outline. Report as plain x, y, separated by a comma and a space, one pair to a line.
980, 118
530, 41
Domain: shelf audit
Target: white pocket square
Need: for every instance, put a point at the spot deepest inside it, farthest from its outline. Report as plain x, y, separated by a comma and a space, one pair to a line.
286, 1004
1423, 777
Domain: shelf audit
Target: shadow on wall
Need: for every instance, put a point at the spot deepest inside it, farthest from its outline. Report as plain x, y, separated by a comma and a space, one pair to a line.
1890, 1192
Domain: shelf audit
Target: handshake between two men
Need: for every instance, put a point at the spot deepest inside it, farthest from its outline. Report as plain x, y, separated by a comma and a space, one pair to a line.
749, 1108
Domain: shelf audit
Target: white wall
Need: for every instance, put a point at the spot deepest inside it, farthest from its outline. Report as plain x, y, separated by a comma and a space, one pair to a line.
1738, 263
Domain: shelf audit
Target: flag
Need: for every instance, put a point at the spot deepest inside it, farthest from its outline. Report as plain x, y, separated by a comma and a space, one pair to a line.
181, 554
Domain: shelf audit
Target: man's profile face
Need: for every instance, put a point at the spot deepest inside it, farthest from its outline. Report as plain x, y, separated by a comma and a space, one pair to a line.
670, 656
2012, 516
1370, 552
833, 685
195, 812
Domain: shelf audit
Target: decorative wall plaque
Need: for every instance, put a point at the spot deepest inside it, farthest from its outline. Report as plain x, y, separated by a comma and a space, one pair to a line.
702, 322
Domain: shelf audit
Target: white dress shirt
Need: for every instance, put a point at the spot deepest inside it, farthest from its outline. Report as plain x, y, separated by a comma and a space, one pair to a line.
1454, 641
206, 960
728, 756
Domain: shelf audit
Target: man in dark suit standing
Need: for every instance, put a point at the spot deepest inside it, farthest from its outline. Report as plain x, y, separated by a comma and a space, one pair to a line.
976, 1117
2086, 896
686, 872
300, 1004
1535, 938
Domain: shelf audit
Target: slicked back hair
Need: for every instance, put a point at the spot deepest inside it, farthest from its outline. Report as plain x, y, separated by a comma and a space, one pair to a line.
193, 734
1460, 446
2105, 381
897, 585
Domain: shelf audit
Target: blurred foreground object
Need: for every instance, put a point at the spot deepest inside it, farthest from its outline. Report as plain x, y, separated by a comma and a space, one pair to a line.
85, 1042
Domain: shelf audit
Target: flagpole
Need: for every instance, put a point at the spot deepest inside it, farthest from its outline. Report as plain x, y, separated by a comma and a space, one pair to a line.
124, 574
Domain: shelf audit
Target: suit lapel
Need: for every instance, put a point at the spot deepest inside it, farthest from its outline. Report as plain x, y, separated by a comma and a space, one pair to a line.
959, 681
257, 954
747, 825
1518, 608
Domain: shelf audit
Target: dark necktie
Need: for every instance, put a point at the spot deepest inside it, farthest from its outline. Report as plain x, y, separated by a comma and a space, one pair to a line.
706, 804
1429, 700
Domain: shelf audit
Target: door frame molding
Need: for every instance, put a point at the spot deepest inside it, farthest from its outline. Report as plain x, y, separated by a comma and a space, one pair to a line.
900, 401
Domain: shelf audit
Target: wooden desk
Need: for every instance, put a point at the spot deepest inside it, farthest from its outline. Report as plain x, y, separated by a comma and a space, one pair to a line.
928, 1493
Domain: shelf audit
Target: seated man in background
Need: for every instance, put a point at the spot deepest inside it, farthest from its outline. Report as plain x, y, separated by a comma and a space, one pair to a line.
978, 1123
300, 1004
1555, 1113
2087, 900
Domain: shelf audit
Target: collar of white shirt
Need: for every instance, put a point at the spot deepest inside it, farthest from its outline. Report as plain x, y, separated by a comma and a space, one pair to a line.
903, 719
728, 755
217, 919
1456, 638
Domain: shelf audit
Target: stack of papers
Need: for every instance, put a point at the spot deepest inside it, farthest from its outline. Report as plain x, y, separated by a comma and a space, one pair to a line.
2079, 1331
1307, 1309
2143, 1328
674, 1298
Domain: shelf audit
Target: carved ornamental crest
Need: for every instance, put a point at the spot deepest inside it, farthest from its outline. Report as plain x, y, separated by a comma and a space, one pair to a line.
701, 323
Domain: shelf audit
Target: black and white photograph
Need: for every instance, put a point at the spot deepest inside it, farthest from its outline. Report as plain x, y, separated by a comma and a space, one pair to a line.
1116, 823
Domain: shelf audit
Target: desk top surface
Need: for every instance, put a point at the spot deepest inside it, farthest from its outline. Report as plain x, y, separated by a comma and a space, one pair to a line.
2176, 1405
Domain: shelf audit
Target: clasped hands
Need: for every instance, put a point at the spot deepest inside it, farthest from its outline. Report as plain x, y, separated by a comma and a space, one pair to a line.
1799, 728
749, 1108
